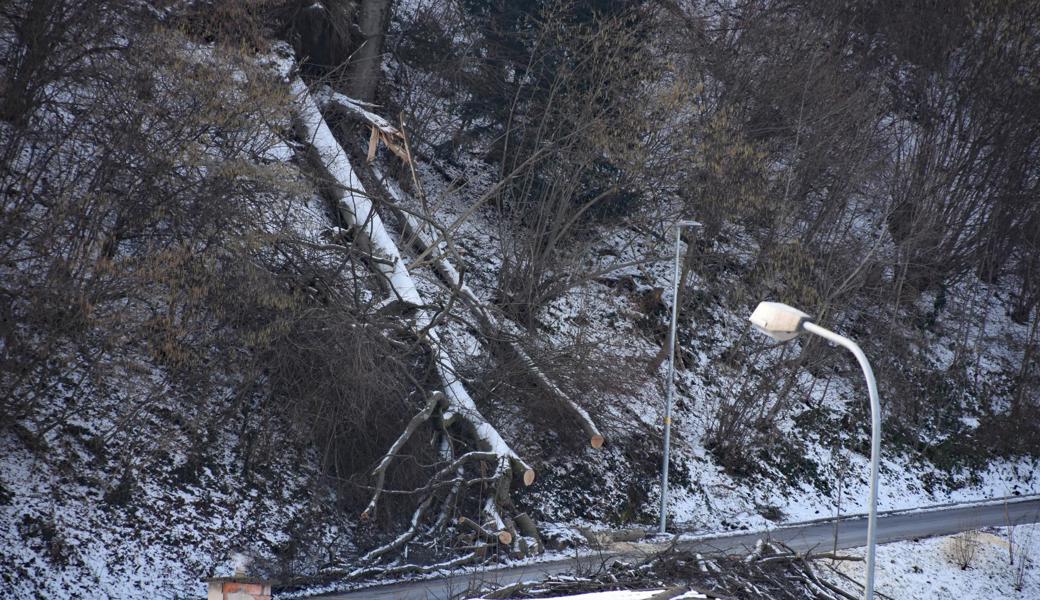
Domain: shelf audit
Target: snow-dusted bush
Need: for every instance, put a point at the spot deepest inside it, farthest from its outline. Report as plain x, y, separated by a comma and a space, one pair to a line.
963, 547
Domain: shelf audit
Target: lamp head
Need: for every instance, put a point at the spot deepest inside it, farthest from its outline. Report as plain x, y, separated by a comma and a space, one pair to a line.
778, 320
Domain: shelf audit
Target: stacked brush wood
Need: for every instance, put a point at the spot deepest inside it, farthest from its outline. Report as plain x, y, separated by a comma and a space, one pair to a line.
771, 571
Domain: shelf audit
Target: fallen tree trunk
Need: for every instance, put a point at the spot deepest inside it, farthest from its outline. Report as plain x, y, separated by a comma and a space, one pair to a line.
494, 329
355, 207
413, 231
502, 536
381, 129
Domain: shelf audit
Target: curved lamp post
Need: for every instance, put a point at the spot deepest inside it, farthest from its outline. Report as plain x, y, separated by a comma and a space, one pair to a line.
782, 322
670, 384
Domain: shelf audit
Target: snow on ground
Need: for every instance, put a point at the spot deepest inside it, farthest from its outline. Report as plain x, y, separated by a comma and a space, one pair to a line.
620, 595
929, 570
717, 496
712, 499
614, 595
626, 595
63, 536
609, 318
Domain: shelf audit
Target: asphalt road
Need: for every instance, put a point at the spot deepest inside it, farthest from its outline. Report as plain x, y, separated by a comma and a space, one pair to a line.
818, 536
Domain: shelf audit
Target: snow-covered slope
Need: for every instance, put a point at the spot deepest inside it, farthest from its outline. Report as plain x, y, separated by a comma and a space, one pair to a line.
976, 565
124, 492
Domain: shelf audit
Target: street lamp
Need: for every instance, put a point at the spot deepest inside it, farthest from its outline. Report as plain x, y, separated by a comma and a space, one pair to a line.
782, 322
670, 386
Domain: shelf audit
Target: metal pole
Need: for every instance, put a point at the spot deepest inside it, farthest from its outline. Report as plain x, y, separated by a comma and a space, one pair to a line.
670, 384
875, 443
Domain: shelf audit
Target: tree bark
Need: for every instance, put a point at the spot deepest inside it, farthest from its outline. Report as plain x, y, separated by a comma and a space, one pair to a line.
363, 75
320, 33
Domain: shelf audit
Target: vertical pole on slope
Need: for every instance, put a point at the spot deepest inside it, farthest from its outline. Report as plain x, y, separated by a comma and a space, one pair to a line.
670, 383
875, 443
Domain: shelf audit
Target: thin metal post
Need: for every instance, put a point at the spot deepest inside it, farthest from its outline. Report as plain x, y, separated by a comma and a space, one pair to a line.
670, 383
875, 443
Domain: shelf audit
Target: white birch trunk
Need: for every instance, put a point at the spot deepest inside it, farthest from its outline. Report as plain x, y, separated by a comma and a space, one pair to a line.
357, 208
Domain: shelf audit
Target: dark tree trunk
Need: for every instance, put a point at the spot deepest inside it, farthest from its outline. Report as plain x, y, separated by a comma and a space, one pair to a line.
365, 65
320, 33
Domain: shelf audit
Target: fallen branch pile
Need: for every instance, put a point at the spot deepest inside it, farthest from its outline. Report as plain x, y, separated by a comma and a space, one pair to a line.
772, 571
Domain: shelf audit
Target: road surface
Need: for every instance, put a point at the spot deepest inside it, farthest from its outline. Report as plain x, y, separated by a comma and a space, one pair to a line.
818, 536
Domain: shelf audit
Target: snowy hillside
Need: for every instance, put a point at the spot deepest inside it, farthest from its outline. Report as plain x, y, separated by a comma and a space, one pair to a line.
366, 290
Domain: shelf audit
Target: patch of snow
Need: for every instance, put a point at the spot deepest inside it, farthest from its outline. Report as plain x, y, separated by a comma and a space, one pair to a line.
616, 595
929, 569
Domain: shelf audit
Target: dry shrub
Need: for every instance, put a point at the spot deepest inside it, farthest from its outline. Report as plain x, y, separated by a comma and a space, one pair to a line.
1019, 570
963, 547
582, 138
237, 23
140, 214
592, 369
348, 385
1019, 554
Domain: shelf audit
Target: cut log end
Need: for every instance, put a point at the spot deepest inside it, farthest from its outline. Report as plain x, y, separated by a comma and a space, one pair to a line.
597, 441
528, 477
504, 537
